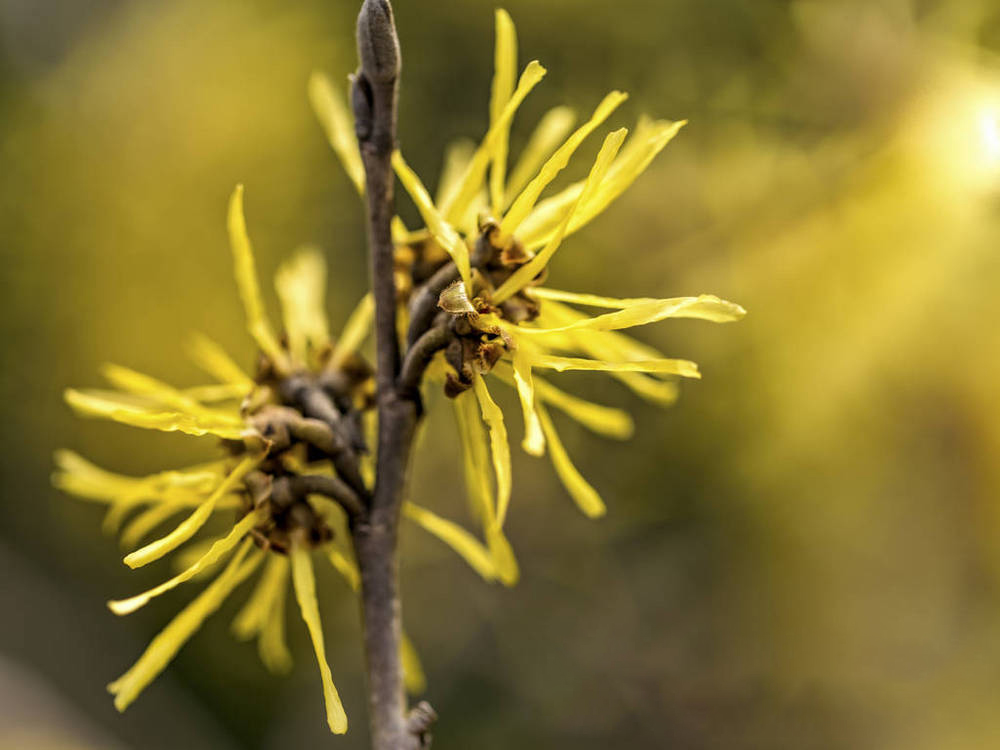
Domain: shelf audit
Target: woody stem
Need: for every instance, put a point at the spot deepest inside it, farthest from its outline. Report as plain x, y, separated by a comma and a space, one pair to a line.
374, 95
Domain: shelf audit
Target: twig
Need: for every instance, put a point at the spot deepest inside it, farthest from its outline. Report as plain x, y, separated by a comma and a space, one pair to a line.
420, 355
424, 306
331, 487
373, 96
318, 406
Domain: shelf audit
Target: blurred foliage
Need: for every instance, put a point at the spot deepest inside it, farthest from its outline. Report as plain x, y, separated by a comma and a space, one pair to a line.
804, 553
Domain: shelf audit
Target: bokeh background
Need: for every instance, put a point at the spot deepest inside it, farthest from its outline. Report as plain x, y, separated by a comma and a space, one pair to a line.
802, 554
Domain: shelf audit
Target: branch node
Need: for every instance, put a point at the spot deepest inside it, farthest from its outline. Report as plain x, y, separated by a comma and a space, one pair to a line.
419, 722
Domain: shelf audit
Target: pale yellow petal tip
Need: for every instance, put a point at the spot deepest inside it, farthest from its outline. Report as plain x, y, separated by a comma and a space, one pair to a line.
533, 445
504, 560
534, 70
135, 559
123, 607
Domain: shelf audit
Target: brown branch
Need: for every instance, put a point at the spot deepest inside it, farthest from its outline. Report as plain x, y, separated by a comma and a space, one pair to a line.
419, 356
373, 96
318, 406
424, 306
331, 487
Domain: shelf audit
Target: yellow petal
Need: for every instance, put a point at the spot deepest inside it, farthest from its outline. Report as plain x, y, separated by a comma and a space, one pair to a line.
505, 65
703, 307
626, 170
460, 540
304, 582
219, 550
246, 281
613, 346
214, 360
140, 526
473, 180
456, 161
647, 142
586, 497
301, 286
344, 564
475, 457
76, 475
111, 406
264, 616
165, 646
338, 124
271, 645
604, 420
643, 312
253, 614
681, 367
369, 424
550, 133
534, 439
413, 671
476, 463
400, 234
443, 232
188, 556
503, 555
80, 477
356, 330
526, 273
188, 528
525, 202
165, 395
499, 447
215, 393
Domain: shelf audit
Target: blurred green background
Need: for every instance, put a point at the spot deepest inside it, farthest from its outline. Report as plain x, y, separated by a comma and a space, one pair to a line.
802, 554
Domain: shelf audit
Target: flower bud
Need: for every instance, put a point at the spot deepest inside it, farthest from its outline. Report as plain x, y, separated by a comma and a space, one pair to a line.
378, 45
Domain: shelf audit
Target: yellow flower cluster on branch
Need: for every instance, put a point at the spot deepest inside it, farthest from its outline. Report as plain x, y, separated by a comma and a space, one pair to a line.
297, 435
510, 323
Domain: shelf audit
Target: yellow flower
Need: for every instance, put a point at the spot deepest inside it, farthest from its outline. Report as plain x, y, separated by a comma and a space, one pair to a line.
265, 478
500, 233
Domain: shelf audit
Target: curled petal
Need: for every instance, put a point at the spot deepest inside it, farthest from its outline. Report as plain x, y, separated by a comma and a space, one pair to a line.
499, 447
190, 525
217, 552
680, 367
586, 497
165, 646
460, 540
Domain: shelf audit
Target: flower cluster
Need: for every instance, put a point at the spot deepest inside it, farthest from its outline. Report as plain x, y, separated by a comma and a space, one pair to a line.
295, 465
472, 283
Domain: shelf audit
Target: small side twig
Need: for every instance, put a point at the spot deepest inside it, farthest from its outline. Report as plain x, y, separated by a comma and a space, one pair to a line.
424, 306
419, 356
331, 487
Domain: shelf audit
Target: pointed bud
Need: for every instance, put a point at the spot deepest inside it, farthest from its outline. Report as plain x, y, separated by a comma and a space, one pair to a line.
378, 44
